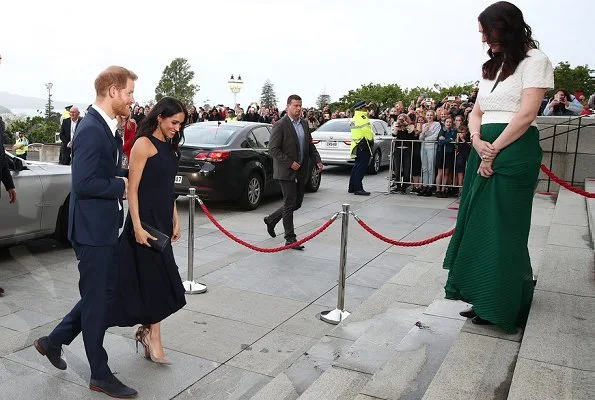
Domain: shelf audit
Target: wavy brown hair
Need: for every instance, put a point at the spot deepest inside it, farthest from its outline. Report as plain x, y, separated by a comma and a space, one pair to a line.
503, 24
166, 107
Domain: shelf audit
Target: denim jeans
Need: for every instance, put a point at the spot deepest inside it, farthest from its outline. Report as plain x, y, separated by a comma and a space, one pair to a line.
428, 160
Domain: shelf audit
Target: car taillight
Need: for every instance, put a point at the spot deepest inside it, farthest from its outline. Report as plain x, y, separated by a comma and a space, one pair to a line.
202, 156
347, 142
315, 141
213, 156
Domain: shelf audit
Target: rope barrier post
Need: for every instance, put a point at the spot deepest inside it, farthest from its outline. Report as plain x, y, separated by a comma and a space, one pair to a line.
390, 165
190, 285
338, 314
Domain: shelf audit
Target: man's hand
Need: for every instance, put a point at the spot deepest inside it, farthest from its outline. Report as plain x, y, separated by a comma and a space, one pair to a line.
319, 167
295, 166
12, 196
125, 186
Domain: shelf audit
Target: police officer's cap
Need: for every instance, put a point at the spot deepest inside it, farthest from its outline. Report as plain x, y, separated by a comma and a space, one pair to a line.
360, 104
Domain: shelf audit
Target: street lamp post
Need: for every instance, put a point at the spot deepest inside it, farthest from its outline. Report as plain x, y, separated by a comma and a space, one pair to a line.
48, 110
235, 85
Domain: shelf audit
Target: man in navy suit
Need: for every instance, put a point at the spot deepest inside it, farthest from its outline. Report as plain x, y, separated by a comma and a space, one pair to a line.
95, 215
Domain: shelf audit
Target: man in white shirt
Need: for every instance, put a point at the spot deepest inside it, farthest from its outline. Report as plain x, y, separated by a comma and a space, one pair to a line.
66, 134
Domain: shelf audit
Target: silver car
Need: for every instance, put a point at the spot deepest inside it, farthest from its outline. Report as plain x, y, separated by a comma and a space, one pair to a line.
41, 209
333, 140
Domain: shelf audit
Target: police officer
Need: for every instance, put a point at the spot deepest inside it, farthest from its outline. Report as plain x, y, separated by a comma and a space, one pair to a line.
362, 141
21, 146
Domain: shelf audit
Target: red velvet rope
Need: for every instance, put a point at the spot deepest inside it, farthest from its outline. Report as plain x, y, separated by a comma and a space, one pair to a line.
566, 184
402, 243
264, 249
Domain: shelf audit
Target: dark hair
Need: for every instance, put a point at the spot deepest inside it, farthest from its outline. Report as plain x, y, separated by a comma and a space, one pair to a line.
166, 107
503, 24
292, 98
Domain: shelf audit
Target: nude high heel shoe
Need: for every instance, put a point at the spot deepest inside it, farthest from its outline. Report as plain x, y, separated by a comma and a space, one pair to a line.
143, 337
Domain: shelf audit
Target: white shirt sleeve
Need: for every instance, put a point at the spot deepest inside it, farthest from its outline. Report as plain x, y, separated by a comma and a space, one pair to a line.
538, 72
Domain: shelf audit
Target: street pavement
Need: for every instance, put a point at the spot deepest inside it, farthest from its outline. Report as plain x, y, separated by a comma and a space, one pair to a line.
258, 316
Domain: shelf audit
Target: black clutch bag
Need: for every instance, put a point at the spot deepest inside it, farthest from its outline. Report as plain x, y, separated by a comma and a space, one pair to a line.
162, 239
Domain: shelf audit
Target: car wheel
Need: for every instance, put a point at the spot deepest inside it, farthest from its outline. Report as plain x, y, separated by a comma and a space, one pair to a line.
61, 233
252, 192
314, 180
374, 167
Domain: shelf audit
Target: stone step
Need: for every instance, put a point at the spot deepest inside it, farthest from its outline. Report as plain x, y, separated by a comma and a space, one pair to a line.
379, 349
556, 357
387, 315
419, 355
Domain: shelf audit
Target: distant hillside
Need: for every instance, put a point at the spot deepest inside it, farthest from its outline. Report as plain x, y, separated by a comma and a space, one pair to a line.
9, 100
4, 110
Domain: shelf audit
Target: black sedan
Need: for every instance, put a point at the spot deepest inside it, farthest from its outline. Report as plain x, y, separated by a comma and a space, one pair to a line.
230, 161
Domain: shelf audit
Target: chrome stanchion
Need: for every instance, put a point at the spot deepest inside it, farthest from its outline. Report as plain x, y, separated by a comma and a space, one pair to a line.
190, 285
339, 314
390, 165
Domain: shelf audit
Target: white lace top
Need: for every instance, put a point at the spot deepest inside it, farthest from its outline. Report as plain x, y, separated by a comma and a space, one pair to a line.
499, 106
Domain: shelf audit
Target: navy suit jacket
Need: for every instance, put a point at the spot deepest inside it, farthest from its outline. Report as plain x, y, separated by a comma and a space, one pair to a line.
94, 216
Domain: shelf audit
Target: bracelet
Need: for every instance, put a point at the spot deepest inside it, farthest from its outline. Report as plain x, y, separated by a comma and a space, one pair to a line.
474, 134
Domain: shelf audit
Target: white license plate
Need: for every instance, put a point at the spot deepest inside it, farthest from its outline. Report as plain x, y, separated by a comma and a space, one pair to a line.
178, 179
331, 144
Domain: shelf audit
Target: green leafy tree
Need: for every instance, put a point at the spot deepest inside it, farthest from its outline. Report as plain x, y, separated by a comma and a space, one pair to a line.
38, 129
323, 100
385, 96
268, 98
579, 78
176, 81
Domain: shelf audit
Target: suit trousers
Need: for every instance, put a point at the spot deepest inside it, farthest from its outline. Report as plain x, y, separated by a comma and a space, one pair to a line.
362, 160
98, 268
293, 196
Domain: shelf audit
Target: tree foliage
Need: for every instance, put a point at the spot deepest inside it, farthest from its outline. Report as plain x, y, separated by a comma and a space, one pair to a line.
579, 78
176, 81
385, 96
268, 98
38, 129
323, 100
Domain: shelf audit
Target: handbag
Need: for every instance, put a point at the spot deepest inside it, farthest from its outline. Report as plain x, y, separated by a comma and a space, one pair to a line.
162, 239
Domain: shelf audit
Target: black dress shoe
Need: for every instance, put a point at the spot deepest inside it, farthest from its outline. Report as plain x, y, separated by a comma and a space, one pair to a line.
300, 247
270, 227
361, 193
479, 321
422, 191
53, 353
112, 387
468, 313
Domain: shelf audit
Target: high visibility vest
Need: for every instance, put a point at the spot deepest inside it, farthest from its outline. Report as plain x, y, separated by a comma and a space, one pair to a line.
230, 119
360, 129
22, 150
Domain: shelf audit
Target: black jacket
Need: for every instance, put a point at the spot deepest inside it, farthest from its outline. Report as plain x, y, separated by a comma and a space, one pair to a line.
284, 147
5, 175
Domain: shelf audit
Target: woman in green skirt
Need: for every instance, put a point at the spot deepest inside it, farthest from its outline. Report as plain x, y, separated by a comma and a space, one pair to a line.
487, 258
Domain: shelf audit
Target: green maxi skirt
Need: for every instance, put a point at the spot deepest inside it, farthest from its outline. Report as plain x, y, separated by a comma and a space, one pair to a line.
487, 258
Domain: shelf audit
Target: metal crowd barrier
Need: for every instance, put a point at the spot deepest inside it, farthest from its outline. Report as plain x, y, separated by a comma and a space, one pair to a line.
401, 149
190, 285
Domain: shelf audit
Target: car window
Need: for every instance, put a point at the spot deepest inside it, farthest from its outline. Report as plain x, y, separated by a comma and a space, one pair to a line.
336, 125
381, 128
250, 142
377, 130
207, 134
262, 136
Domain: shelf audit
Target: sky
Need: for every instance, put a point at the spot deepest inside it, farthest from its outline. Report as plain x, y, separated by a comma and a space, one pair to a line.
306, 47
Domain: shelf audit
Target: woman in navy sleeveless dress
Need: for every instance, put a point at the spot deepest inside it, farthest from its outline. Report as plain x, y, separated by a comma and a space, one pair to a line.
150, 288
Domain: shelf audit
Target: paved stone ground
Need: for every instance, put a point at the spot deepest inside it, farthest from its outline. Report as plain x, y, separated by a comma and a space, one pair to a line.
257, 318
